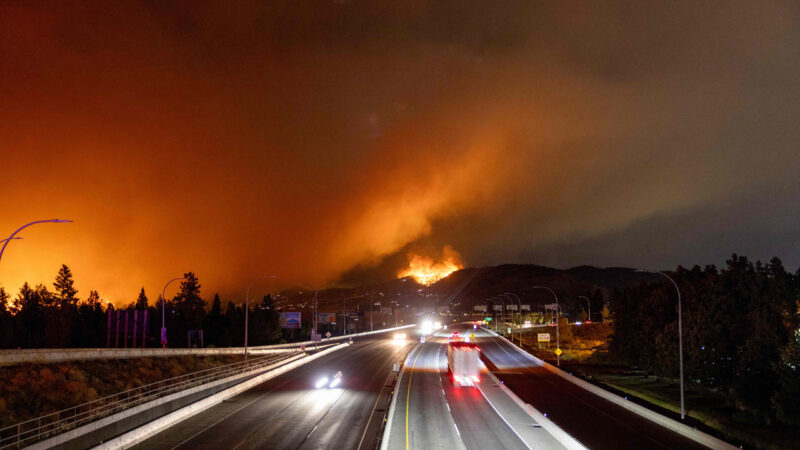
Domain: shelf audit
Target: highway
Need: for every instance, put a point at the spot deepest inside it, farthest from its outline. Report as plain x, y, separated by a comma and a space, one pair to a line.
595, 422
431, 413
288, 412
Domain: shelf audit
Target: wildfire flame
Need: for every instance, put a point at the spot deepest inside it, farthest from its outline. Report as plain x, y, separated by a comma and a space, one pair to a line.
425, 271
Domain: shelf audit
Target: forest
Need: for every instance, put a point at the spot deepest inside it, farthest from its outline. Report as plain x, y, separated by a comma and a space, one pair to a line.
740, 334
39, 317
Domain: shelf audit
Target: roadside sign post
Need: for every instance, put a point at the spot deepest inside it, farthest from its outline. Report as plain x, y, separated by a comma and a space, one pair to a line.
543, 337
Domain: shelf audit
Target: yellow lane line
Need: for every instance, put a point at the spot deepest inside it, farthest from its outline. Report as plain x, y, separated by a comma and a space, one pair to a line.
408, 391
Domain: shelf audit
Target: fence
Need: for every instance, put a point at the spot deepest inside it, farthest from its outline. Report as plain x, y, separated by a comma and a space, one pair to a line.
52, 355
34, 430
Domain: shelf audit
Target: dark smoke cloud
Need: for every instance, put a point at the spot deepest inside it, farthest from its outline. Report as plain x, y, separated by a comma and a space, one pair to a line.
304, 139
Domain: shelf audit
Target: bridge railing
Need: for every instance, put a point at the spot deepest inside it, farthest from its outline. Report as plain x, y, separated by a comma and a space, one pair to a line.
34, 430
53, 355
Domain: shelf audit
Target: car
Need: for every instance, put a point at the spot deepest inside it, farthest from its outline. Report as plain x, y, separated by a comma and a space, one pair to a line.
331, 382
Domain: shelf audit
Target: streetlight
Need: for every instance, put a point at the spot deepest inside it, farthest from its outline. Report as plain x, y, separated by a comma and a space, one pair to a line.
314, 319
504, 310
371, 307
680, 335
163, 308
492, 299
26, 226
558, 311
247, 310
588, 302
519, 313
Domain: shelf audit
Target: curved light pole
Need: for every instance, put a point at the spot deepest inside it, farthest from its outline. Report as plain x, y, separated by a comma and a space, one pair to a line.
588, 302
519, 314
26, 226
503, 301
247, 310
558, 311
164, 308
680, 334
502, 305
314, 319
488, 300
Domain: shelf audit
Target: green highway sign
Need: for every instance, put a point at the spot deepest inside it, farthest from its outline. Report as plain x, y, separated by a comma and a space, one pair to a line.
488, 319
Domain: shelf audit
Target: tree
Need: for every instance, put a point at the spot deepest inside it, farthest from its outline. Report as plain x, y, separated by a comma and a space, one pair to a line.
141, 301
215, 322
787, 408
6, 321
30, 320
65, 287
190, 308
94, 301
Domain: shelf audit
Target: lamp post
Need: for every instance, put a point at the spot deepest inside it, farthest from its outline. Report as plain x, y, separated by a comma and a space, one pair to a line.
588, 302
558, 311
247, 311
163, 308
492, 299
371, 307
680, 336
519, 314
504, 310
6, 241
314, 323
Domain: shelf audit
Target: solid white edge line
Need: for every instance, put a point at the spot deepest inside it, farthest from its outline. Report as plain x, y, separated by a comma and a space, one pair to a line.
478, 386
664, 421
458, 432
554, 430
139, 434
388, 429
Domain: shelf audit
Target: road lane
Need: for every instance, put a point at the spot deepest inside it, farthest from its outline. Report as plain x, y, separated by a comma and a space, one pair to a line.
288, 412
422, 419
435, 414
592, 420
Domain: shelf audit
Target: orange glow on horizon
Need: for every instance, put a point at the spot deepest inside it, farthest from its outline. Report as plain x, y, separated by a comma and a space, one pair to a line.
425, 271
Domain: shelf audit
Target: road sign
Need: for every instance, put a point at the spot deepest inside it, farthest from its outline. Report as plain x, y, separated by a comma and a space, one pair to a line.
525, 307
558, 352
488, 319
328, 334
290, 320
497, 307
544, 337
551, 306
481, 308
511, 307
509, 330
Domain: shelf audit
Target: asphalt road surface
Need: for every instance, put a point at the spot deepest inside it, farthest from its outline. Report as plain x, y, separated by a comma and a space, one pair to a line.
288, 412
431, 413
595, 422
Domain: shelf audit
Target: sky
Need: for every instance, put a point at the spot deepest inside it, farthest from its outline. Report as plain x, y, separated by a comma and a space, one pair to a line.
315, 140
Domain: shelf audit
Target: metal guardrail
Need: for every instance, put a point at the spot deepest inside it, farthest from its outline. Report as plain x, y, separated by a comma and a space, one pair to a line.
35, 430
52, 355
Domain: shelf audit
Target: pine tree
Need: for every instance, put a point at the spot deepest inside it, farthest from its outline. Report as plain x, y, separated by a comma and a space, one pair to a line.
190, 308
94, 301
214, 322
65, 287
141, 301
6, 321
